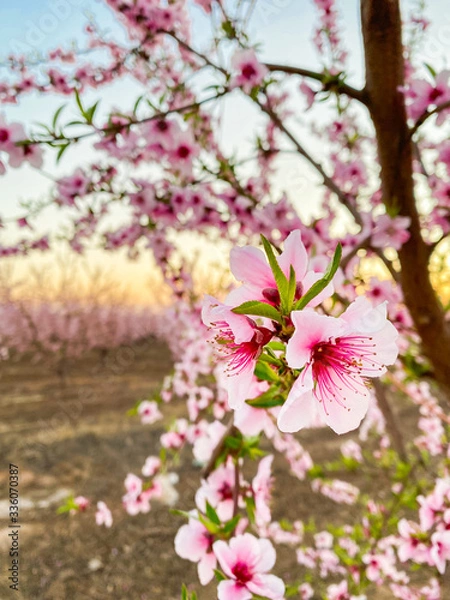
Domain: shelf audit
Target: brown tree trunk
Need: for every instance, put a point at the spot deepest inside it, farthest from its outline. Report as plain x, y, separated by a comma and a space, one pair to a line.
382, 35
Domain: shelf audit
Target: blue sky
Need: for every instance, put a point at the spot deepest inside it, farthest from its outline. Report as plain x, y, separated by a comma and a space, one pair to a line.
283, 27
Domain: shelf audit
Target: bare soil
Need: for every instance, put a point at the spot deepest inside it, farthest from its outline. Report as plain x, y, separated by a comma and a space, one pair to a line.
73, 436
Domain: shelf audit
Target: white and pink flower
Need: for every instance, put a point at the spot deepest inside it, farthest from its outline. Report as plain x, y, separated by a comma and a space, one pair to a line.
245, 561
336, 356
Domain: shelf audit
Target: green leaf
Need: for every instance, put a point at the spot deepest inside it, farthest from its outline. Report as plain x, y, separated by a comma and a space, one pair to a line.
250, 506
229, 29
259, 309
211, 514
211, 527
320, 285
74, 123
230, 526
219, 575
91, 112
280, 277
233, 443
184, 593
277, 346
291, 288
431, 70
266, 400
57, 114
80, 105
61, 151
180, 513
136, 104
265, 372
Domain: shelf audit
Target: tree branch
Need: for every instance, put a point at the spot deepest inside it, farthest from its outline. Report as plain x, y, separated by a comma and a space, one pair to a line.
337, 86
426, 115
327, 180
391, 425
109, 130
210, 466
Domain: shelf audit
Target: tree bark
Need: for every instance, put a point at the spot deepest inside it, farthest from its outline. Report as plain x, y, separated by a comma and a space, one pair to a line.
382, 35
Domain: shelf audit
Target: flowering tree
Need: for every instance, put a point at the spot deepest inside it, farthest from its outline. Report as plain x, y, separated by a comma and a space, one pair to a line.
304, 341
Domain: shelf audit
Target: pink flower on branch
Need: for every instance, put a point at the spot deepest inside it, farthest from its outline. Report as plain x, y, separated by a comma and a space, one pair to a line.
250, 266
336, 356
246, 561
194, 542
103, 515
249, 72
240, 341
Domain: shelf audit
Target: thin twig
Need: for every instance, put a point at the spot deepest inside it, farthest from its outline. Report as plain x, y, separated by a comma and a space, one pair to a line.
236, 489
209, 468
340, 88
109, 130
426, 115
327, 180
391, 425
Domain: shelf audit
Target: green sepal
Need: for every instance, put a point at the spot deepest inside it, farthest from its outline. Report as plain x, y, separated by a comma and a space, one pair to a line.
264, 372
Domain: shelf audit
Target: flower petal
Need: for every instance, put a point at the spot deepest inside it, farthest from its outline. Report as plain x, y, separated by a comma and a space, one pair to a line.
311, 328
225, 556
346, 412
300, 409
230, 590
268, 555
238, 385
250, 266
206, 568
190, 543
268, 586
294, 254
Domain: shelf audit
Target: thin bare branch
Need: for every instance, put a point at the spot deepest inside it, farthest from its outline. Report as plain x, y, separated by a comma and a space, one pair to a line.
426, 115
339, 87
391, 425
327, 180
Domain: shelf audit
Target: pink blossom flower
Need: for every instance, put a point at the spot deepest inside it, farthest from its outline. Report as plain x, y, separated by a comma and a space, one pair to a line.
440, 549
409, 546
137, 499
205, 4
250, 420
336, 355
261, 487
309, 94
241, 342
10, 134
82, 503
103, 515
207, 441
306, 591
338, 591
218, 490
248, 71
149, 412
351, 449
194, 542
245, 561
31, 153
151, 466
389, 232
250, 266
72, 186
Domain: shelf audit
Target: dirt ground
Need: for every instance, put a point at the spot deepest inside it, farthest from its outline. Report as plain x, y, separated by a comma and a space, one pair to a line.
74, 437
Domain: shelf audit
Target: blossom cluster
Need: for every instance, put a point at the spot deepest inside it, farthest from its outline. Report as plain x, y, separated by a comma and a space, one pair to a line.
330, 358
